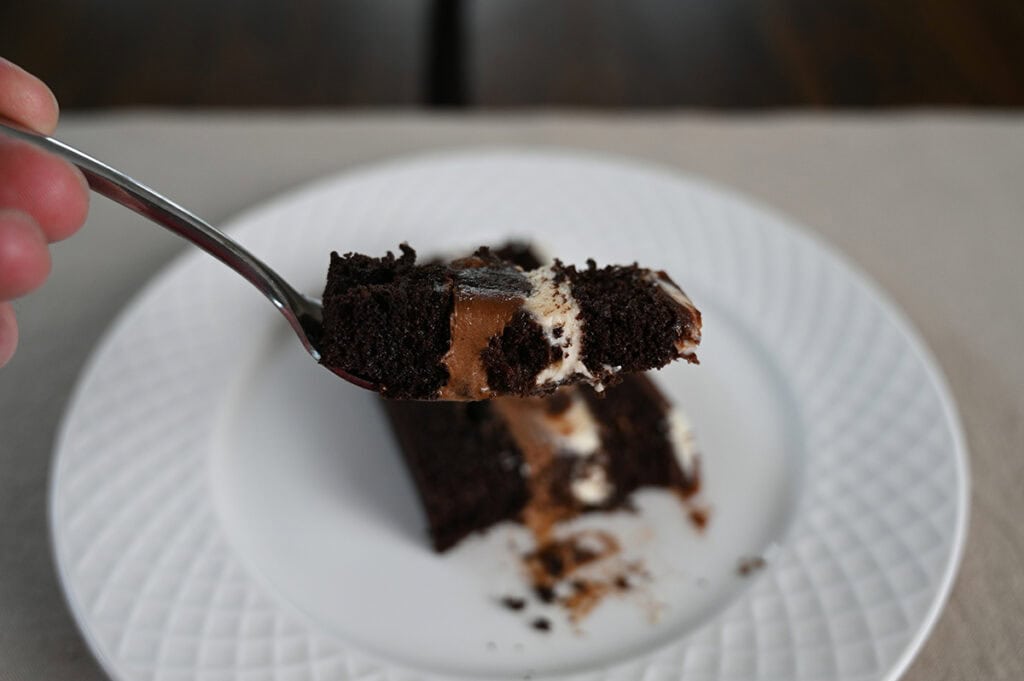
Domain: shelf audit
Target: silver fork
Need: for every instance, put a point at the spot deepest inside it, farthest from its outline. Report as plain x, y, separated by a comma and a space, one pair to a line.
303, 313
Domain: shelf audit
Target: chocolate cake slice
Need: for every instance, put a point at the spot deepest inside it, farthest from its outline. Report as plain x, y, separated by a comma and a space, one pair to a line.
485, 326
541, 461
544, 460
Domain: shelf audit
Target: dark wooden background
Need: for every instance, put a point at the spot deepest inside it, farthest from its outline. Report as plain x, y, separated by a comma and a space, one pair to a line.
735, 54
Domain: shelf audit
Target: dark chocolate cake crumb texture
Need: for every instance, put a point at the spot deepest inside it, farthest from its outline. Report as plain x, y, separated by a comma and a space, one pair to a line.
541, 624
514, 358
641, 450
750, 565
631, 324
699, 517
462, 489
519, 253
513, 602
371, 302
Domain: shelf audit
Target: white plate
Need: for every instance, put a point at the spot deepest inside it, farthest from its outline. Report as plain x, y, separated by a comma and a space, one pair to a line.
222, 508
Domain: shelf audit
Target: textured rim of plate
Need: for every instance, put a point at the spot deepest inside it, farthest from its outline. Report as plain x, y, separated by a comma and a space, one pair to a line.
901, 322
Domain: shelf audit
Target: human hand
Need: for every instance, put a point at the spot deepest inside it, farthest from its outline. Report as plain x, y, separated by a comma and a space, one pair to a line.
42, 198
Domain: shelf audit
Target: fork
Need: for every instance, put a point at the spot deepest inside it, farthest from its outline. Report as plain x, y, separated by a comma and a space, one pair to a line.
303, 313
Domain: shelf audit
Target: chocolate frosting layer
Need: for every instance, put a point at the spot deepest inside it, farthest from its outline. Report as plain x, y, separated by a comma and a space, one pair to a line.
485, 300
561, 444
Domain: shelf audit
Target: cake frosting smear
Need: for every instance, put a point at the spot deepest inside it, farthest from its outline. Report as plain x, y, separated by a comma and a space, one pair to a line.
484, 326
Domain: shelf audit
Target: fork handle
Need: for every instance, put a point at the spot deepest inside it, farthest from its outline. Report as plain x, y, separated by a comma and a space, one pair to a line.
122, 189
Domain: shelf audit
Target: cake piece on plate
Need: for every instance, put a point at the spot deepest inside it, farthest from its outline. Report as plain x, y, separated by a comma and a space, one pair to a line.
541, 461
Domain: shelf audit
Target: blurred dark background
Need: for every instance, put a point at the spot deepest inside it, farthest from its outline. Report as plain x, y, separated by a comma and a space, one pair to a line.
736, 54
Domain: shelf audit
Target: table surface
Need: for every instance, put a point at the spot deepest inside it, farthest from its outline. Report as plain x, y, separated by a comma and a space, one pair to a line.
931, 206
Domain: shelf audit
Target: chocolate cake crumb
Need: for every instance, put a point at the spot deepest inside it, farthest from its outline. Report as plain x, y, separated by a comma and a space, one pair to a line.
630, 322
699, 517
545, 593
748, 566
515, 357
622, 583
518, 253
369, 302
551, 561
541, 624
513, 602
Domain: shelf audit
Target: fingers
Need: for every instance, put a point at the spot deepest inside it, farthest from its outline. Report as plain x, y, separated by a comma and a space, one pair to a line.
24, 265
25, 99
49, 189
42, 198
53, 192
24, 257
8, 333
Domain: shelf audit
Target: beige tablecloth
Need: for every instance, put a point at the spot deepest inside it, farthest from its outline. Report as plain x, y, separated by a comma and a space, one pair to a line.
931, 206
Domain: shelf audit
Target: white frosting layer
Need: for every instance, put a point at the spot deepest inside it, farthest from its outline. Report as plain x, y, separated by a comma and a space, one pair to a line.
592, 486
575, 432
554, 309
680, 434
685, 347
